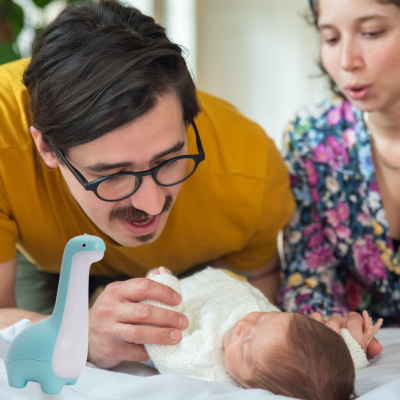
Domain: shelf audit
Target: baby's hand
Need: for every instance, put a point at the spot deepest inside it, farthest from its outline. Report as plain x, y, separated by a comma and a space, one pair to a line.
362, 329
370, 330
157, 271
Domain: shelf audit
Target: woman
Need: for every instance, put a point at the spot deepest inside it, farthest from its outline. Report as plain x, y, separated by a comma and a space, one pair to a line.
342, 244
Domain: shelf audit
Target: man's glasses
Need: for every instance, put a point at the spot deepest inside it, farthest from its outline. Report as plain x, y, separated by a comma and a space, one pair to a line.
122, 185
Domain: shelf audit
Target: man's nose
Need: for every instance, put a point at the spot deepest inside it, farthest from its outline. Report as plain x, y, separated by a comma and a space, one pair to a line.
149, 197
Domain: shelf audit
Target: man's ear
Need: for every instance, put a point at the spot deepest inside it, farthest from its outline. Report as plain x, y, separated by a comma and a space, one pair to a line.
47, 154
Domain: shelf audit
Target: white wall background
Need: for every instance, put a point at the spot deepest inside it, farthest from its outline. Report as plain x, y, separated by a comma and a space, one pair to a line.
257, 54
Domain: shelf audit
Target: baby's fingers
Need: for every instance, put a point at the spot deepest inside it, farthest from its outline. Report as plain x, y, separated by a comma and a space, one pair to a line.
377, 326
367, 320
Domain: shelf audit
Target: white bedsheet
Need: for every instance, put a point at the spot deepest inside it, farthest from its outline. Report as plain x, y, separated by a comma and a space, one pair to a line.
380, 381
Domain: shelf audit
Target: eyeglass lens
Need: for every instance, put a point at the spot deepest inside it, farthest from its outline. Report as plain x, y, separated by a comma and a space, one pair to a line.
169, 174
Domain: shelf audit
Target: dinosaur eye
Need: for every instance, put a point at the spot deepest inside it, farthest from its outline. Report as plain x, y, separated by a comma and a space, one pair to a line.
82, 246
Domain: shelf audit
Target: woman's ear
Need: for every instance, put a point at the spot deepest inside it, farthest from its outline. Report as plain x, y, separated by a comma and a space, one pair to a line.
46, 153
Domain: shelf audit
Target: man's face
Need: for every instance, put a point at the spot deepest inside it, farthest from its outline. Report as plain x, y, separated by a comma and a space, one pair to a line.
145, 143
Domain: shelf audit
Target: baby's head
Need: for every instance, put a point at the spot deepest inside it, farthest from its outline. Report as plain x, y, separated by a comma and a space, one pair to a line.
291, 355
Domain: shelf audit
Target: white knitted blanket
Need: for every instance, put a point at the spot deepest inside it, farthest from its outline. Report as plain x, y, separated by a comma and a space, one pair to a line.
213, 302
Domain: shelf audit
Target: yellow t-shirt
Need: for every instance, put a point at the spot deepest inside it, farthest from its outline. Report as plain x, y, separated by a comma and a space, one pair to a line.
231, 208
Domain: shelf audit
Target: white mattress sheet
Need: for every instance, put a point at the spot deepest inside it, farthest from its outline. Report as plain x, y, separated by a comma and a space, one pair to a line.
380, 381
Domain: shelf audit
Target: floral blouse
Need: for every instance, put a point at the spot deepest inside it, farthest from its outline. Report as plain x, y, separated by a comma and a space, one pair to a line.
339, 254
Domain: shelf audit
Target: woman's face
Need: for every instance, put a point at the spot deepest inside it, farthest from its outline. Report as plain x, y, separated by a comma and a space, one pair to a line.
361, 51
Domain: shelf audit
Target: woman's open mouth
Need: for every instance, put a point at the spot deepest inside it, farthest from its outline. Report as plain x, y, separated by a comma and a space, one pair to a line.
358, 92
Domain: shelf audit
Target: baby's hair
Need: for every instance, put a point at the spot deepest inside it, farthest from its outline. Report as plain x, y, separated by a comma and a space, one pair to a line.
315, 365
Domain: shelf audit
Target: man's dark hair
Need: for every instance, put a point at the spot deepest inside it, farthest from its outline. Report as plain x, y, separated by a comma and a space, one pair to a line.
313, 20
99, 66
315, 365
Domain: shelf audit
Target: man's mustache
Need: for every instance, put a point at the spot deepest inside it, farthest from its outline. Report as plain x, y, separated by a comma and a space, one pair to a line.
132, 213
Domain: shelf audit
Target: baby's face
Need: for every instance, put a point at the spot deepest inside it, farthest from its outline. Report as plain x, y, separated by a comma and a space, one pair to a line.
254, 335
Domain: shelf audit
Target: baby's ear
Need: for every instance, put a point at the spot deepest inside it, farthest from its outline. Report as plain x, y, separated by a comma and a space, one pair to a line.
45, 152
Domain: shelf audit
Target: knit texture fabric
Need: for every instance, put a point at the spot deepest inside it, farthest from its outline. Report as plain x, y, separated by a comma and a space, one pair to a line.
213, 302
357, 353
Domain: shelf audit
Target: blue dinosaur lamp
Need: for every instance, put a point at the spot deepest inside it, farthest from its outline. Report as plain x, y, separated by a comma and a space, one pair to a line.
53, 352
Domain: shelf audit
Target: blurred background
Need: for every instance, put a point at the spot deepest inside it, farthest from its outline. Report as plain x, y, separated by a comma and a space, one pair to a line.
260, 55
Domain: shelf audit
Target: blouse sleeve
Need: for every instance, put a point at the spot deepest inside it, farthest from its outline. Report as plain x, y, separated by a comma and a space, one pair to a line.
311, 264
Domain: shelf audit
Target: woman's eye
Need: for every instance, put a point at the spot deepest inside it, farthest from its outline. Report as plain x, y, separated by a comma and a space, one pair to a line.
331, 40
373, 34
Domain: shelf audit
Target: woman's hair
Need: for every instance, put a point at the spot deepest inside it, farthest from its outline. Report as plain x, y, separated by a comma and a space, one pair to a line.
313, 19
315, 365
101, 65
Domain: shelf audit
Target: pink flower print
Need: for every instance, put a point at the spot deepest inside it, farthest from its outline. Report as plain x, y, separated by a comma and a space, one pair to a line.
310, 229
301, 298
294, 180
315, 195
305, 309
363, 219
320, 257
334, 116
373, 186
311, 173
333, 218
343, 232
315, 241
315, 217
337, 149
348, 112
337, 290
334, 144
330, 234
349, 138
322, 154
368, 260
343, 211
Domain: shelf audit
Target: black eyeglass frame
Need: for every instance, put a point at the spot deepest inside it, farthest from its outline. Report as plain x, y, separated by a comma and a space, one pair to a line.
92, 186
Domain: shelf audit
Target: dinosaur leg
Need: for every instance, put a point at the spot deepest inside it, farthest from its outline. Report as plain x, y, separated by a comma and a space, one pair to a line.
16, 379
51, 387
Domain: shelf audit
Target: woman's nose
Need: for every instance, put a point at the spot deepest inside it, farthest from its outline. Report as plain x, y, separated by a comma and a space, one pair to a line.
149, 198
351, 56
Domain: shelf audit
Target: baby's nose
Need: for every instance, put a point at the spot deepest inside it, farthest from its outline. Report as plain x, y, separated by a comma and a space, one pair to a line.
243, 328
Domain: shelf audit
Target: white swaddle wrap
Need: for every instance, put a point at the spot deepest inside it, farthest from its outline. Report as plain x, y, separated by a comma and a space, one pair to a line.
213, 301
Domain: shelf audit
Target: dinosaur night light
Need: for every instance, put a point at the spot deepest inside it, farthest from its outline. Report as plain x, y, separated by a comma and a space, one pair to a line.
53, 352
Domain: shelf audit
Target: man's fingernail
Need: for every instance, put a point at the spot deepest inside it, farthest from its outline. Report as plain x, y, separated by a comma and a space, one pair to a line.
177, 297
183, 322
175, 335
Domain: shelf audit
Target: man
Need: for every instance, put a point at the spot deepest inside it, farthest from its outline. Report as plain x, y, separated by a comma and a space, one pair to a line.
116, 133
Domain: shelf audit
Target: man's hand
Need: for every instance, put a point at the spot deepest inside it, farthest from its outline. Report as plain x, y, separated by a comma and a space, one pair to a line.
360, 327
116, 322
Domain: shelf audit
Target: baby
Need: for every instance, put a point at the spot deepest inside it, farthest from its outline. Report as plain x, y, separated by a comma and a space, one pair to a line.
236, 336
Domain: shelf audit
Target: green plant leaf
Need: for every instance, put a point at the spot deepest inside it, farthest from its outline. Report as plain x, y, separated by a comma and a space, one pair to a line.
11, 21
17, 19
42, 3
7, 53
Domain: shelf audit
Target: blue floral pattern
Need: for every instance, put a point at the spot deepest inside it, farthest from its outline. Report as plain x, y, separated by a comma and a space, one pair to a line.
339, 254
